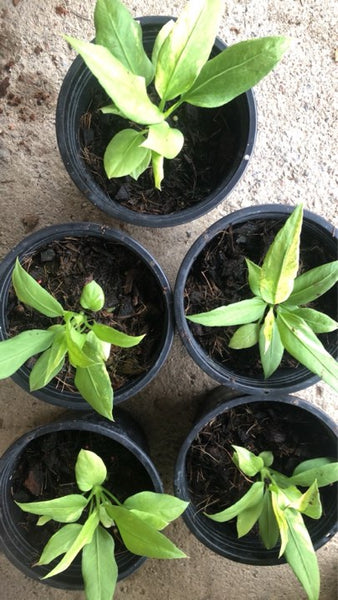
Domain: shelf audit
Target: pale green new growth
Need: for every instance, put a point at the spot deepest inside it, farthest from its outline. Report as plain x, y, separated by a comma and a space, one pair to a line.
274, 317
85, 342
179, 70
277, 505
138, 519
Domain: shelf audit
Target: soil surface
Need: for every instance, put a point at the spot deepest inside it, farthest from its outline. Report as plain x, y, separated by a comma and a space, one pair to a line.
219, 276
133, 300
209, 149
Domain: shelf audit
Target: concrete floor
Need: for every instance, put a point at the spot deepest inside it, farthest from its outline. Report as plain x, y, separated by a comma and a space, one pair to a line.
293, 162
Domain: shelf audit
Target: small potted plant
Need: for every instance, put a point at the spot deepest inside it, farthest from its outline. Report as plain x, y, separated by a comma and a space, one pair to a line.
83, 298
260, 504
121, 139
274, 277
105, 520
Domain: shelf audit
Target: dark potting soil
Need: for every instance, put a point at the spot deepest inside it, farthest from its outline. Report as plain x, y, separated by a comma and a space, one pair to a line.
46, 470
291, 434
219, 277
205, 159
133, 300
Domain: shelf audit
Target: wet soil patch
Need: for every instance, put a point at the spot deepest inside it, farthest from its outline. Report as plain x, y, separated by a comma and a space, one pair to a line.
133, 300
46, 470
208, 155
219, 277
291, 434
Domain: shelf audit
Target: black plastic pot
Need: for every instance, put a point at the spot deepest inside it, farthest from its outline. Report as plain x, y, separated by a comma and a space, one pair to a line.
286, 379
74, 99
13, 538
221, 537
69, 399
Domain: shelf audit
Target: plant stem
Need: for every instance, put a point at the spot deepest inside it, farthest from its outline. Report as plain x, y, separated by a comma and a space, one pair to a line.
112, 496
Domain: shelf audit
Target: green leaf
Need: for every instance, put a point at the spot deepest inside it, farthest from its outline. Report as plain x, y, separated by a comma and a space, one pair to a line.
276, 499
90, 470
281, 261
254, 273
253, 496
247, 518
115, 337
127, 91
63, 510
140, 538
300, 554
105, 519
94, 382
247, 461
268, 528
122, 35
324, 475
300, 341
16, 350
318, 321
156, 508
235, 70
267, 457
99, 568
49, 364
141, 167
312, 284
95, 387
245, 336
78, 356
59, 543
84, 537
309, 503
30, 292
164, 140
111, 109
157, 161
312, 463
42, 521
271, 348
161, 36
238, 313
92, 296
187, 47
124, 153
281, 480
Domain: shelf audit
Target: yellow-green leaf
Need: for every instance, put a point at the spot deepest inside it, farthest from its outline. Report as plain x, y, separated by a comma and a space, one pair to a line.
187, 47
122, 35
281, 262
127, 91
30, 292
239, 313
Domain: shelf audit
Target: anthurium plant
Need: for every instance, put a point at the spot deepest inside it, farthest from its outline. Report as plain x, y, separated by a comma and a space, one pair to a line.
277, 505
77, 336
139, 520
277, 316
178, 70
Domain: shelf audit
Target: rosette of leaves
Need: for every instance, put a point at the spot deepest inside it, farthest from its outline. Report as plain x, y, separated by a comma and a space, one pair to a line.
139, 519
78, 337
179, 71
276, 317
277, 505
